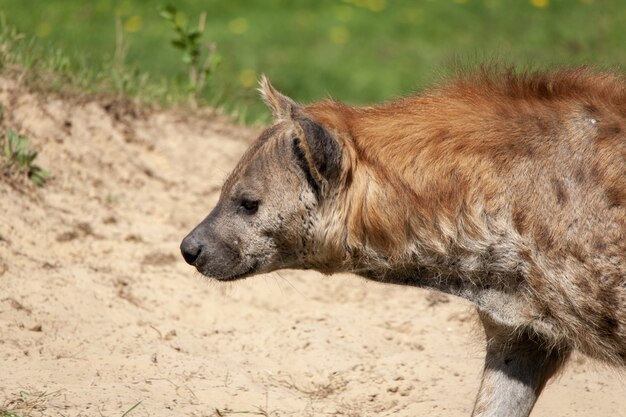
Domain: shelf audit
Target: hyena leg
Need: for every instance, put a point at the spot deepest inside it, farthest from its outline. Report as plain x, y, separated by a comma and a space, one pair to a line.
517, 367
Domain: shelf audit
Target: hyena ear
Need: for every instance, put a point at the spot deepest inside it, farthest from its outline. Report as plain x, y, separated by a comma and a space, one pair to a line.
317, 152
282, 106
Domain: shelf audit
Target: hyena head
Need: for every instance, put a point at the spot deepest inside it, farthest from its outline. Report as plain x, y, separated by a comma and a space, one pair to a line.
270, 204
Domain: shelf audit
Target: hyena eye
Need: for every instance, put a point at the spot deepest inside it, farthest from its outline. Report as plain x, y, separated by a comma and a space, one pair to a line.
250, 206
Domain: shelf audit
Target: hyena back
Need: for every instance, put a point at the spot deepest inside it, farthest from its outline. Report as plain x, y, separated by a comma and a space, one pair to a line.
507, 190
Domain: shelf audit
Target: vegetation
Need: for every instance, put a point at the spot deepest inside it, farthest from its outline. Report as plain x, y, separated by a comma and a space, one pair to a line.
19, 160
24, 403
27, 403
5, 413
200, 65
361, 51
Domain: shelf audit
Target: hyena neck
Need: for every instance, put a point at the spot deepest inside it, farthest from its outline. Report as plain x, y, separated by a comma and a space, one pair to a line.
378, 237
377, 232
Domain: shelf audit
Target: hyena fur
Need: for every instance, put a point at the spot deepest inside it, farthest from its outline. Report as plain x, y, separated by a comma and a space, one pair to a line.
506, 189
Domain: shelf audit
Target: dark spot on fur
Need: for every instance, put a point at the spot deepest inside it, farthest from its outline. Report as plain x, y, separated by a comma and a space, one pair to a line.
579, 176
609, 324
577, 251
599, 245
609, 134
543, 237
520, 219
490, 254
595, 174
452, 262
583, 284
524, 148
519, 147
615, 197
542, 89
546, 311
507, 361
590, 109
611, 130
441, 135
560, 192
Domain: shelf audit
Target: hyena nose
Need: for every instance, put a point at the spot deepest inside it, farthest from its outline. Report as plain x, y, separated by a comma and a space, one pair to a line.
190, 249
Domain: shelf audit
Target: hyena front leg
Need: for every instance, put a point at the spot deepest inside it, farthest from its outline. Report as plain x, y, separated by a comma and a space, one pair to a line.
517, 367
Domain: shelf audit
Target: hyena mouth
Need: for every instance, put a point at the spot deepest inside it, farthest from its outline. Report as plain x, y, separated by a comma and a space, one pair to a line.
248, 272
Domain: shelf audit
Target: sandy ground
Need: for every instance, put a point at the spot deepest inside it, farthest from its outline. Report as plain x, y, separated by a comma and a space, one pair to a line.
98, 312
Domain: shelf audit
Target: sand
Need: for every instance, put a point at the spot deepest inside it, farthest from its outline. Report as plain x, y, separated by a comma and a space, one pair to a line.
99, 313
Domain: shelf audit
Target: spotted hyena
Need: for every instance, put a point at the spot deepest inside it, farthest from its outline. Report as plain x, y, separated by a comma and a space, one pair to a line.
506, 189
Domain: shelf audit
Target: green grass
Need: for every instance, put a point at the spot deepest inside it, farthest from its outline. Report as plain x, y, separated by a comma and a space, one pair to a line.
5, 413
360, 51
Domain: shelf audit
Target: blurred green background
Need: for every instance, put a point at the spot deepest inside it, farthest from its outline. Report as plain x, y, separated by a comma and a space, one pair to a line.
358, 51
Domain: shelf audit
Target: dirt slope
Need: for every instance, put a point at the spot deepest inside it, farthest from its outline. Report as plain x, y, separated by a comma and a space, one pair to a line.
98, 312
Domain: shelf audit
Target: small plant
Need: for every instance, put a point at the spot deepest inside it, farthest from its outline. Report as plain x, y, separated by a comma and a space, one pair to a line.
6, 413
201, 64
21, 160
24, 403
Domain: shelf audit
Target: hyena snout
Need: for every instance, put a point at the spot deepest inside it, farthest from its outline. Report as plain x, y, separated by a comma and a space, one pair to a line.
208, 253
211, 255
